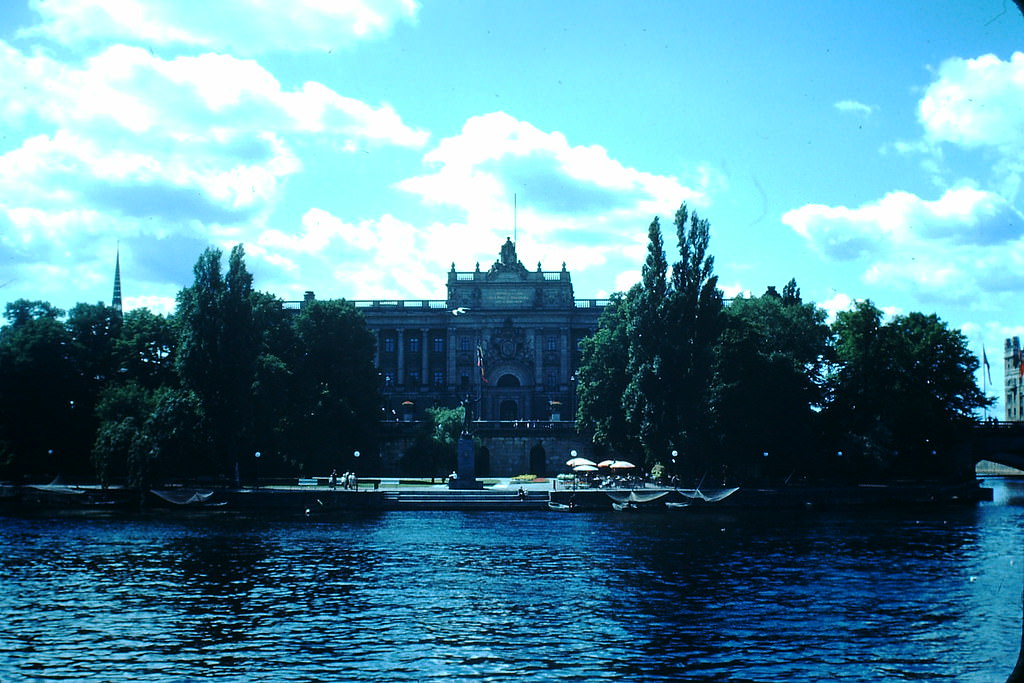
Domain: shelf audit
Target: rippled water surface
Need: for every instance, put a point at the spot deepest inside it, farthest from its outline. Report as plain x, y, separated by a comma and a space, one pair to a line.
894, 595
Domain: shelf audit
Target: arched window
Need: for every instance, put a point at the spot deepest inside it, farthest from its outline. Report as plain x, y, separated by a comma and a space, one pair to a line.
508, 381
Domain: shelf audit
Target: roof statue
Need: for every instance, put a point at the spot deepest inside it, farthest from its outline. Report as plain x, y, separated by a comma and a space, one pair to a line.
507, 261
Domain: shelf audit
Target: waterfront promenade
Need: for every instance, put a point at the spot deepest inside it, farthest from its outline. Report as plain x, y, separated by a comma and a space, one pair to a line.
314, 498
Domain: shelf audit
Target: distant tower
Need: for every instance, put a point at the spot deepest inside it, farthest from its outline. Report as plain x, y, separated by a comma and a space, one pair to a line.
1013, 380
117, 284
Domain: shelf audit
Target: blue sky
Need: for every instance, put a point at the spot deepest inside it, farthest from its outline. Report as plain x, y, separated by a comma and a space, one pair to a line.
870, 150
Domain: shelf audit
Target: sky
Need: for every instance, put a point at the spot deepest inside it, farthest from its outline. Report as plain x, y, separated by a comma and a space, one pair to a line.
359, 148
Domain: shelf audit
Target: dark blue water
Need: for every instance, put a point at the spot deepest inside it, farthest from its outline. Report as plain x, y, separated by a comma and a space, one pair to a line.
895, 595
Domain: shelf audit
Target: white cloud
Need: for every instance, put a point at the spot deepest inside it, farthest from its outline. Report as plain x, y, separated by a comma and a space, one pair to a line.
835, 304
239, 26
174, 154
948, 249
495, 154
976, 102
854, 107
963, 215
561, 188
212, 98
163, 305
201, 139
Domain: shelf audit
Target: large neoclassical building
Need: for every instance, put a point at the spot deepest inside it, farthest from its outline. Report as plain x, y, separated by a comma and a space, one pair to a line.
507, 338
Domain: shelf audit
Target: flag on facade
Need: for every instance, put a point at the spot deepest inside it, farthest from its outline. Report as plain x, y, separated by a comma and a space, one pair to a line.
480, 363
984, 360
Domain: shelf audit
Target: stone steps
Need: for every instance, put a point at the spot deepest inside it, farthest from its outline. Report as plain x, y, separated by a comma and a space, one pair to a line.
463, 500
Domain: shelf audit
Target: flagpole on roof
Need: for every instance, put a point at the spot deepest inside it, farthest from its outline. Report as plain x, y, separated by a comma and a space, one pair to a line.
986, 374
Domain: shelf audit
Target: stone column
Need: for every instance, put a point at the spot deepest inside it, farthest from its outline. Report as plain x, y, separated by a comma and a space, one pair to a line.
425, 356
450, 356
376, 347
400, 380
538, 359
563, 355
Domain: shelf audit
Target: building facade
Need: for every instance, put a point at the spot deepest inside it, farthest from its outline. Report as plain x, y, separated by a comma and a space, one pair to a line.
1013, 380
505, 342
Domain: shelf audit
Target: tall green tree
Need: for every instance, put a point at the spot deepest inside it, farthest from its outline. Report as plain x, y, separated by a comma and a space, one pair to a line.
94, 330
654, 349
602, 378
769, 383
144, 351
434, 451
278, 411
645, 397
146, 436
337, 385
218, 351
39, 385
693, 322
903, 393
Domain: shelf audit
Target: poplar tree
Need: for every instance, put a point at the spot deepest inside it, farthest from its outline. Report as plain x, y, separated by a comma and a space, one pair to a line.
217, 353
693, 322
645, 376
645, 397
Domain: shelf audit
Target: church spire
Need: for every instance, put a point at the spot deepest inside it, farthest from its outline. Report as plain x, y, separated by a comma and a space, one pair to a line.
117, 283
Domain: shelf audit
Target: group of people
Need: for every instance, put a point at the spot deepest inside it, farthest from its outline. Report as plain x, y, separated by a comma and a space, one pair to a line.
348, 480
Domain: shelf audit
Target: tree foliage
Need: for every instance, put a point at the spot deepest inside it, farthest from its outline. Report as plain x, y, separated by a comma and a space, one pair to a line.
145, 398
673, 369
38, 388
217, 354
434, 450
645, 374
769, 381
338, 389
693, 323
902, 393
602, 379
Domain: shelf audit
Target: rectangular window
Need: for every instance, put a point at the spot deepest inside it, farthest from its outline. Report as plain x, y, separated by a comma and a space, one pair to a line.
438, 378
465, 344
414, 377
464, 381
552, 379
438, 344
552, 343
389, 344
414, 344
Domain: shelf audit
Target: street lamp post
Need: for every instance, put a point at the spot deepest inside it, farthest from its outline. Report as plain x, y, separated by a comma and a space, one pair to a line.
575, 475
257, 455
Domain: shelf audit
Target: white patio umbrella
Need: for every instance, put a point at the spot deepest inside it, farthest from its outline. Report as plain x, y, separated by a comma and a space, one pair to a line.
605, 463
622, 465
574, 462
585, 468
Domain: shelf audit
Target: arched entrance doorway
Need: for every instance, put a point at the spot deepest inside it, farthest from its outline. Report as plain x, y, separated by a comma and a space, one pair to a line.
508, 408
538, 461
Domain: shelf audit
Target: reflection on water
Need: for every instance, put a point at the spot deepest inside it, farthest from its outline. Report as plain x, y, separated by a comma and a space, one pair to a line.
912, 594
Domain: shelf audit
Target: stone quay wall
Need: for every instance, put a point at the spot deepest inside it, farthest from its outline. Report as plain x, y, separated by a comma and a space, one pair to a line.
507, 448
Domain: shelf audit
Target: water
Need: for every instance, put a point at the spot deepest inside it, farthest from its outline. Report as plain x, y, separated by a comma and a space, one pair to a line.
895, 595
